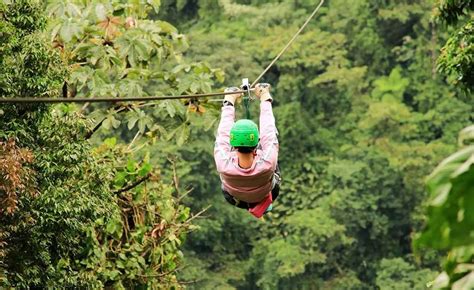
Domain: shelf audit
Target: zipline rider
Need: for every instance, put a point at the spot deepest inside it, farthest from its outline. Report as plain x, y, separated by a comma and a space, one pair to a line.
248, 168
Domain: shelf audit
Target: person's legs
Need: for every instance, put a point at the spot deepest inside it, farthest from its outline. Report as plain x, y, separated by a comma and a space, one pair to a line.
275, 191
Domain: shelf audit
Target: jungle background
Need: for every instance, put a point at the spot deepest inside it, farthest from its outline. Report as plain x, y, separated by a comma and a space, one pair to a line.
368, 101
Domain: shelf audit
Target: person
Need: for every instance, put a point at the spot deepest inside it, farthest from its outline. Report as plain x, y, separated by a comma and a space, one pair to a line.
246, 157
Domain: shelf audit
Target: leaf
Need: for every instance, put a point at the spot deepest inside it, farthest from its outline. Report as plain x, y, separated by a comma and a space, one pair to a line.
114, 122
464, 167
166, 27
131, 165
210, 124
466, 134
448, 165
110, 142
462, 268
170, 109
442, 195
143, 123
145, 169
467, 282
155, 4
55, 32
220, 75
100, 12
131, 122
180, 4
114, 226
172, 237
182, 135
107, 124
194, 87
68, 30
441, 281
143, 48
120, 179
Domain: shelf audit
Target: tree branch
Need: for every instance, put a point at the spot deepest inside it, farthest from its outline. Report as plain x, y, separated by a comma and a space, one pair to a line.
161, 274
84, 107
175, 175
65, 90
198, 214
97, 127
133, 185
185, 194
133, 141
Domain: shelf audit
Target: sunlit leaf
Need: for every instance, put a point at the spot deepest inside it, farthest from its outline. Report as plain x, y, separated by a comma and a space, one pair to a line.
155, 4
100, 12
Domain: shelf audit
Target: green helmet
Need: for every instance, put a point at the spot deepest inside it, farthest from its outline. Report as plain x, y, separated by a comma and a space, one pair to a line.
244, 133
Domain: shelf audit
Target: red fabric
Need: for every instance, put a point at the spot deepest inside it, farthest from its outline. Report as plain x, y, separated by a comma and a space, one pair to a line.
258, 210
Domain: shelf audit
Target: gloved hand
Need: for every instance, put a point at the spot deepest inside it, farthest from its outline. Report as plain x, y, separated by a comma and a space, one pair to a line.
262, 91
232, 97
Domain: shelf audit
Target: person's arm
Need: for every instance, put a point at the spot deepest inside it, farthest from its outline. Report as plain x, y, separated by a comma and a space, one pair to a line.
268, 130
223, 131
222, 145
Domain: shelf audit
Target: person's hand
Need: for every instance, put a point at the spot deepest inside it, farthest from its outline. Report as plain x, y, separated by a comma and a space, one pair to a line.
232, 98
262, 91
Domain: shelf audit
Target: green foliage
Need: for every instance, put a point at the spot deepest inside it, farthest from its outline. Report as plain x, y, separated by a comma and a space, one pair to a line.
28, 66
456, 59
452, 10
398, 274
449, 211
139, 247
72, 216
49, 227
362, 117
449, 217
303, 248
115, 49
450, 189
361, 112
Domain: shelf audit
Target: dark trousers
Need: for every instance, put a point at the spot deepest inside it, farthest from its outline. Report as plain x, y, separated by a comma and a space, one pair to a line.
245, 205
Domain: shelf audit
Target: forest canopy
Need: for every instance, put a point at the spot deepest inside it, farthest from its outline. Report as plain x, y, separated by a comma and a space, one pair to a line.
374, 107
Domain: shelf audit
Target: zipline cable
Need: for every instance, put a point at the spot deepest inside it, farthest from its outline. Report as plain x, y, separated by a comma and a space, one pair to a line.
158, 98
288, 44
113, 100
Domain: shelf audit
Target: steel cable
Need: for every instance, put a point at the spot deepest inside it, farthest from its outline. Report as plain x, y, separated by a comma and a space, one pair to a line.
288, 44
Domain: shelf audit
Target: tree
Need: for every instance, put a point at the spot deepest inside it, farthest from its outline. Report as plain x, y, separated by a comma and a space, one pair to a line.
398, 274
456, 56
115, 49
362, 116
362, 113
450, 216
72, 215
449, 210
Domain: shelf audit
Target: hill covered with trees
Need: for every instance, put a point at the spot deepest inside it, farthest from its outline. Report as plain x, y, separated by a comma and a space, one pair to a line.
368, 101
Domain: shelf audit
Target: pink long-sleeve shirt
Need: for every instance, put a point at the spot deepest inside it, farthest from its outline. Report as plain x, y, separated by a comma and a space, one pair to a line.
255, 183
